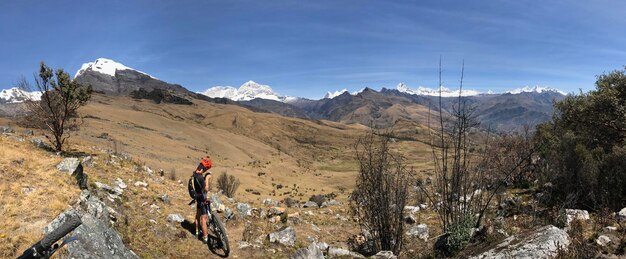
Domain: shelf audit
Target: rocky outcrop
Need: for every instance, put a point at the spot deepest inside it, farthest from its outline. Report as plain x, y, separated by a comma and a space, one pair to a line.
311, 252
94, 238
541, 243
160, 96
73, 166
285, 236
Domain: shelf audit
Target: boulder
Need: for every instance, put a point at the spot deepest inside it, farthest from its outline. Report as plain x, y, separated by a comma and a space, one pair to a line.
420, 231
310, 204
244, 209
94, 237
175, 218
338, 252
310, 252
216, 203
68, 165
541, 243
40, 144
228, 214
285, 236
384, 255
270, 202
572, 215
621, 215
603, 240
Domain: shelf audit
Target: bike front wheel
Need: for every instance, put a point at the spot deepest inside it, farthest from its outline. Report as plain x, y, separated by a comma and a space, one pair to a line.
218, 228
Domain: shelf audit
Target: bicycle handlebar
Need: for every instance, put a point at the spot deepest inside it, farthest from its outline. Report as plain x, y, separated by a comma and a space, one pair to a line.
42, 248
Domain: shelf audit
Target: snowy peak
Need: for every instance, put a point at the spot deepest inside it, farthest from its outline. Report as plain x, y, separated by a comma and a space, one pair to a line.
246, 92
445, 92
331, 95
104, 66
16, 95
536, 89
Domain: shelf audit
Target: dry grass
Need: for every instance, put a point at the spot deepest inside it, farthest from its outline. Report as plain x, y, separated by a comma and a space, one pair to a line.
25, 215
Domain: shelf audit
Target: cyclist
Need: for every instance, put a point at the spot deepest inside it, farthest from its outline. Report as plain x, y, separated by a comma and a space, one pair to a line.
201, 185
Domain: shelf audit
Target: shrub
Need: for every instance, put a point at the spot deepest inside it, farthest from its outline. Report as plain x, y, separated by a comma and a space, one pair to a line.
228, 184
381, 192
319, 199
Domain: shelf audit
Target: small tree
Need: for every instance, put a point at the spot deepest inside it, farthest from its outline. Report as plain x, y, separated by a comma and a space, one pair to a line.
228, 184
381, 192
60, 99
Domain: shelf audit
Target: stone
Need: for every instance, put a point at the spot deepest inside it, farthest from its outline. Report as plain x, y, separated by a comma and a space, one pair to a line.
333, 203
310, 204
420, 231
544, 242
243, 209
603, 240
228, 214
6, 129
338, 252
411, 209
216, 203
27, 190
275, 211
164, 198
68, 165
610, 228
141, 184
621, 215
270, 202
112, 190
175, 218
29, 132
285, 236
94, 237
88, 161
572, 215
384, 255
315, 228
310, 252
41, 144
120, 183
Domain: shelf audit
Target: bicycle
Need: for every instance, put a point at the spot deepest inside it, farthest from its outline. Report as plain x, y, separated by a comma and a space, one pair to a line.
215, 225
47, 246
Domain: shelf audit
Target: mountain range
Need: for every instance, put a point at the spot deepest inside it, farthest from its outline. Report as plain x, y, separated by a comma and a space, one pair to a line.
503, 112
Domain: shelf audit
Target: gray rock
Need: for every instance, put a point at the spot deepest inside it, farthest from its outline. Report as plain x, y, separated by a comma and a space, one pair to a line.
112, 190
337, 252
243, 209
88, 161
270, 202
541, 243
216, 204
420, 231
41, 144
610, 228
333, 203
603, 240
68, 165
310, 204
285, 236
27, 190
572, 215
175, 218
621, 215
385, 255
165, 198
311, 252
411, 209
228, 214
29, 132
141, 184
94, 237
6, 129
120, 183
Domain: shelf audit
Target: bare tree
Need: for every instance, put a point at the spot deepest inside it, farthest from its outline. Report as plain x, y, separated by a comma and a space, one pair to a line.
381, 191
61, 97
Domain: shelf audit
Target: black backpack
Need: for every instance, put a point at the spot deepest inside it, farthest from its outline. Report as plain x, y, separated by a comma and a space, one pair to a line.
195, 186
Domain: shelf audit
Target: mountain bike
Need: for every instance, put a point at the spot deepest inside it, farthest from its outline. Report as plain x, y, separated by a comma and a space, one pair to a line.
47, 246
215, 225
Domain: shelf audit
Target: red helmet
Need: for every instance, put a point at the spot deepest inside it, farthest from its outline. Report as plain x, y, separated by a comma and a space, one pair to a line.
206, 163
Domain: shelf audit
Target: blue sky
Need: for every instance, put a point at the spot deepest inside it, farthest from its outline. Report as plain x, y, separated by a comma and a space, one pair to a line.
305, 48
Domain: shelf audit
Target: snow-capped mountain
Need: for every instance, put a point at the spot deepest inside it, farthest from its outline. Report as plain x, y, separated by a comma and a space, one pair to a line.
331, 95
16, 95
536, 89
445, 92
105, 66
246, 92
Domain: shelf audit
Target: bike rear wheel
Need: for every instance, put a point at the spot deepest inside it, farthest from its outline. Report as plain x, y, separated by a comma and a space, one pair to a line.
218, 228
